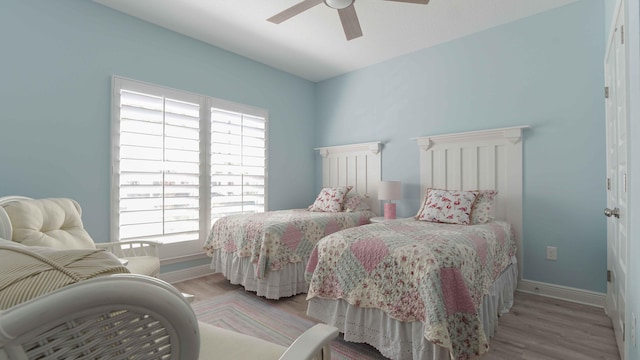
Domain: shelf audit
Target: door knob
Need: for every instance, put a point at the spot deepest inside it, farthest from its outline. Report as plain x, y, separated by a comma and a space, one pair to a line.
615, 212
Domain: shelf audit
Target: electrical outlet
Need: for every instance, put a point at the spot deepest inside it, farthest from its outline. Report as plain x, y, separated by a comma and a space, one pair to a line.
552, 253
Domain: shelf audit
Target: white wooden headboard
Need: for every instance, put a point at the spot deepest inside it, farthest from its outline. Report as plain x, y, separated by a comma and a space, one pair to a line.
478, 160
358, 165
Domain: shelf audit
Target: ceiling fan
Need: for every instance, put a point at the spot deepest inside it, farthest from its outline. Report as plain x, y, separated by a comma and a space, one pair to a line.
347, 12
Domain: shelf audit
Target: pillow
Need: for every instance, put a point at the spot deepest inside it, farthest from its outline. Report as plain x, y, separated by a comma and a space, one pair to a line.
330, 199
356, 201
52, 222
481, 209
447, 206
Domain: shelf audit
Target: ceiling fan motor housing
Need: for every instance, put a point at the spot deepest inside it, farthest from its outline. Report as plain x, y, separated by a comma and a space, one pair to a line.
346, 11
338, 4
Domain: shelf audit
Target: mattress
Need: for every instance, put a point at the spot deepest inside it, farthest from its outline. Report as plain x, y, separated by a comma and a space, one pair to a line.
405, 340
267, 252
432, 276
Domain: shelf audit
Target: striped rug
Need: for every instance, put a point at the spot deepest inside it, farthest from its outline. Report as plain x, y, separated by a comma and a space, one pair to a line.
243, 312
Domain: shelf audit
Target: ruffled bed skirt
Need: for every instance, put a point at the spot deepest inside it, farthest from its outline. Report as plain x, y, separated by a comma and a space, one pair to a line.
286, 282
404, 340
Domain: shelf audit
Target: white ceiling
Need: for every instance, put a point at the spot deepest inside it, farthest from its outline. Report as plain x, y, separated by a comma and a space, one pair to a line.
312, 44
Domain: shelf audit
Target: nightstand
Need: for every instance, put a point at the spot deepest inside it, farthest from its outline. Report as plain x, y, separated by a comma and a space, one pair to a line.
380, 219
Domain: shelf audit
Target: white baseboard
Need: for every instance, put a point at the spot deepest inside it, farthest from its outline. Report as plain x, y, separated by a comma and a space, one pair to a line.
527, 286
180, 259
563, 292
186, 274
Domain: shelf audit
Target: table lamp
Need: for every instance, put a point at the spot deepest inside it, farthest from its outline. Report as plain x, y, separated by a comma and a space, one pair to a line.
390, 190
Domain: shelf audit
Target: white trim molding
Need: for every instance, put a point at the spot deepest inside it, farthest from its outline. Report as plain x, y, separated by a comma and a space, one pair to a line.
512, 134
181, 259
187, 274
566, 293
373, 147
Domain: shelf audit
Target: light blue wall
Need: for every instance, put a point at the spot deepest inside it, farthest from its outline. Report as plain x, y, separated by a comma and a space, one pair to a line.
544, 71
57, 59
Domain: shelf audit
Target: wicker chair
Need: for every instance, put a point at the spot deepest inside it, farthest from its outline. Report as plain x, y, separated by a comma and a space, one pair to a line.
57, 223
127, 316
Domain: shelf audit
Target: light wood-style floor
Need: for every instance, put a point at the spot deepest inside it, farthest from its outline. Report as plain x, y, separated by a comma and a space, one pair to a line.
536, 327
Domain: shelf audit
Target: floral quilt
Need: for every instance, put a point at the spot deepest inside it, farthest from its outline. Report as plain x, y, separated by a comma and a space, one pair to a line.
275, 238
417, 271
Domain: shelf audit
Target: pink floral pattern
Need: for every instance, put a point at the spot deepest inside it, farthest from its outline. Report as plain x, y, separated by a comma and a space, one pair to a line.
356, 201
275, 238
447, 206
417, 271
330, 199
481, 210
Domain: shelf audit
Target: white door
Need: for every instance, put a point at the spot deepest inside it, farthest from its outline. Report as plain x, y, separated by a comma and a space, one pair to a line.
617, 192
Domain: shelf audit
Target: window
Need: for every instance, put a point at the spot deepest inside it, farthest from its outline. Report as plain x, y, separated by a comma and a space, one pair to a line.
237, 163
180, 161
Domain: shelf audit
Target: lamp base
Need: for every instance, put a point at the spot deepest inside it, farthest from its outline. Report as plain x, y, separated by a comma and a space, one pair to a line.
389, 211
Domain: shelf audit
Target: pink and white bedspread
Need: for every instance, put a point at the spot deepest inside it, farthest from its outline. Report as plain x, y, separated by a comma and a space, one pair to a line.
417, 271
274, 239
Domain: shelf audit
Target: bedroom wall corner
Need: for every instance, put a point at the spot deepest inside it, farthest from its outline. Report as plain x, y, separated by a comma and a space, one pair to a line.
545, 71
58, 60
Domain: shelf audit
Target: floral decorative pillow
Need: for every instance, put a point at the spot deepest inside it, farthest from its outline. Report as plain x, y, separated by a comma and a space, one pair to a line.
447, 206
330, 199
482, 207
356, 201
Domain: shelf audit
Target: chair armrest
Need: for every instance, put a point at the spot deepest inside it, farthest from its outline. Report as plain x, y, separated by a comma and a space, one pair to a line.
103, 317
312, 341
131, 248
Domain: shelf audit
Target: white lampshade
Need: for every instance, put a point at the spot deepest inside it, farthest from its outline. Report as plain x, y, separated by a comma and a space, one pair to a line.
390, 190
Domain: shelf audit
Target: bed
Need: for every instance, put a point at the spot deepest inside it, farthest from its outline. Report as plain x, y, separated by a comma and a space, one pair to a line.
267, 252
432, 287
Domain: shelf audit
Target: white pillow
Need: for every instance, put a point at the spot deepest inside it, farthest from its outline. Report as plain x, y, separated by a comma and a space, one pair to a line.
447, 206
481, 210
330, 199
356, 201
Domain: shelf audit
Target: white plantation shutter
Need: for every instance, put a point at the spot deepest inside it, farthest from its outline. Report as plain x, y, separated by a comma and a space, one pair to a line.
238, 163
159, 168
170, 151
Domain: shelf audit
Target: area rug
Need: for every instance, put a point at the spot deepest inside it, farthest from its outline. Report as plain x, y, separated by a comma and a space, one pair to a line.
245, 313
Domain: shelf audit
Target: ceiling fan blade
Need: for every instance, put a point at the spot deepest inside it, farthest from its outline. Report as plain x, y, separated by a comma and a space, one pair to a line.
424, 2
294, 10
350, 23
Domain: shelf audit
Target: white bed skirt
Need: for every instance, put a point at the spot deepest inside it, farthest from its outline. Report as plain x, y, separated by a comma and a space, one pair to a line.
404, 340
286, 282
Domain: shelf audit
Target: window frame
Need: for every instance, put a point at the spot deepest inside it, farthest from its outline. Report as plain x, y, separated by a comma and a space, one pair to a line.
184, 249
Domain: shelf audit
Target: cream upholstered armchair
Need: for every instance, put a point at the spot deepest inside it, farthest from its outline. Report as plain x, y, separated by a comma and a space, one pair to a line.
127, 316
57, 223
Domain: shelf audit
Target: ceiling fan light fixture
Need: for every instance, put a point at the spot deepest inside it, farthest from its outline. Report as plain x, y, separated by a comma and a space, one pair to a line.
338, 4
